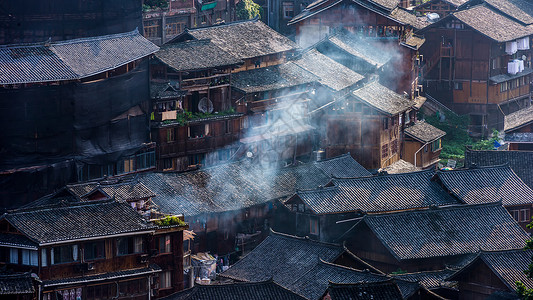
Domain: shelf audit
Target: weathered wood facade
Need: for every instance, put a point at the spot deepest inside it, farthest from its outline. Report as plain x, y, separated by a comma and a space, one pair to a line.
468, 69
423, 145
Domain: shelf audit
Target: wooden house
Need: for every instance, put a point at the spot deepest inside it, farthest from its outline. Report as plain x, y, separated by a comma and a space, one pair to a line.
327, 213
93, 249
369, 124
440, 7
521, 162
518, 128
435, 281
423, 144
164, 23
276, 101
494, 273
383, 24
194, 121
230, 206
251, 41
475, 67
431, 239
388, 289
70, 119
476, 185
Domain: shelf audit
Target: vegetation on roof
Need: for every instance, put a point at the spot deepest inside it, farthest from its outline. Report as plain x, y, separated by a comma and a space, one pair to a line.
169, 221
154, 4
187, 116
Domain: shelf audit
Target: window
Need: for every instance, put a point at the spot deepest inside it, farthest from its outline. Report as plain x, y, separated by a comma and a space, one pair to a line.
394, 147
44, 258
30, 257
503, 87
516, 214
203, 19
301, 207
94, 250
288, 10
13, 256
426, 148
64, 254
164, 245
152, 28
385, 123
129, 245
496, 63
165, 280
313, 226
524, 215
174, 27
384, 151
458, 86
436, 145
170, 135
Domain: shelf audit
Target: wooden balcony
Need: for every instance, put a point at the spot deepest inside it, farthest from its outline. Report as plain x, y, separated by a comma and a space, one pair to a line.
197, 145
205, 82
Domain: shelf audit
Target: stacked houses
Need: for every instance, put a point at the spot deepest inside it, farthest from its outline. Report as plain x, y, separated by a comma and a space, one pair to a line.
276, 169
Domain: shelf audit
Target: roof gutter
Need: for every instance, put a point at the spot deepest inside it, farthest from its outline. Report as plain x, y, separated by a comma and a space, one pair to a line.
98, 237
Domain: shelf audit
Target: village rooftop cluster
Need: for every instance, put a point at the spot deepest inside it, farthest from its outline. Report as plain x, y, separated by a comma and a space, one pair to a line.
176, 152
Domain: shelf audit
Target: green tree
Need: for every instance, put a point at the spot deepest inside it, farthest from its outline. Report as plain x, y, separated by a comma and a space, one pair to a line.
248, 9
155, 3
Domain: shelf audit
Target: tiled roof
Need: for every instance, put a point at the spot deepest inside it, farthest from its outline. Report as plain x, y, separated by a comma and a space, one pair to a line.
195, 55
59, 224
424, 132
487, 184
388, 4
228, 187
16, 284
429, 279
519, 137
508, 265
520, 161
314, 283
520, 10
401, 166
383, 99
331, 73
71, 59
377, 194
282, 257
343, 166
492, 24
17, 241
237, 291
165, 90
104, 276
121, 191
361, 48
518, 119
313, 9
385, 290
245, 39
272, 78
447, 231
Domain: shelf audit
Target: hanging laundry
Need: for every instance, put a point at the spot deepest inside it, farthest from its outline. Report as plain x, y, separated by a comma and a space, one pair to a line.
511, 47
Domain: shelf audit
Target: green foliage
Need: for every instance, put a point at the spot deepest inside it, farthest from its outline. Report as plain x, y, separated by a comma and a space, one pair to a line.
456, 138
152, 4
169, 221
248, 9
399, 271
185, 116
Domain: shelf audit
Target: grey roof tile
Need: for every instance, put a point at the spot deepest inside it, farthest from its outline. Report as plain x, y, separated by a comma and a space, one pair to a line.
377, 194
331, 73
59, 224
343, 166
16, 284
237, 291
272, 78
382, 98
424, 132
385, 290
71, 59
401, 166
228, 187
361, 48
245, 39
447, 231
282, 257
430, 279
487, 184
520, 161
121, 191
195, 55
519, 137
521, 10
518, 119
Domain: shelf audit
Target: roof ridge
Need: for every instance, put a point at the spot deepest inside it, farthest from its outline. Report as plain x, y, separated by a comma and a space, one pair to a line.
96, 38
72, 205
321, 261
303, 238
253, 20
430, 209
385, 175
502, 166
